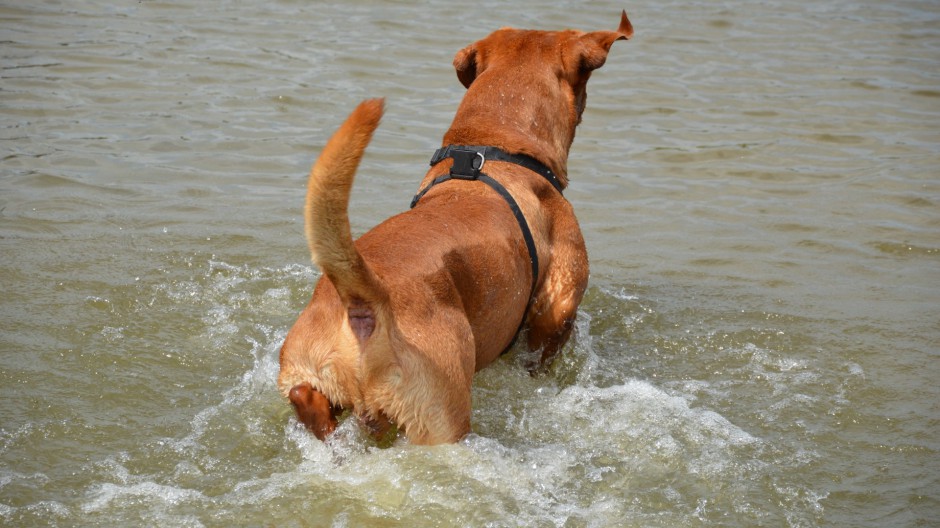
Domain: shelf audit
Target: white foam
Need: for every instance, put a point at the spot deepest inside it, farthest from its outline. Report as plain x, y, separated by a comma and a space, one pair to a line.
149, 491
566, 441
557, 447
625, 409
621, 294
256, 381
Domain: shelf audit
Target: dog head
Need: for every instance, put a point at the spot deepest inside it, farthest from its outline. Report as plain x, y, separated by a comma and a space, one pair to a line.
535, 79
580, 53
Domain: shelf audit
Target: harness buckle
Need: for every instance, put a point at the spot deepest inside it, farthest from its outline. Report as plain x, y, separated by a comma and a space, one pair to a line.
467, 164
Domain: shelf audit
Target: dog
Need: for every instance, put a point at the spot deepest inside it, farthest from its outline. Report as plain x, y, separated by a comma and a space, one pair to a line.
403, 317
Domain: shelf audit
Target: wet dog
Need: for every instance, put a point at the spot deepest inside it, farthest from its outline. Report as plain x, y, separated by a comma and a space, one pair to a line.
404, 316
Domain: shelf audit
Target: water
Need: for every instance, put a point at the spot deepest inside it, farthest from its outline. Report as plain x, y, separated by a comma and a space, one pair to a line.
757, 184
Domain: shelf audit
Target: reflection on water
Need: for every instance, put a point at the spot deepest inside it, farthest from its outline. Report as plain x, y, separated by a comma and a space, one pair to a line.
756, 184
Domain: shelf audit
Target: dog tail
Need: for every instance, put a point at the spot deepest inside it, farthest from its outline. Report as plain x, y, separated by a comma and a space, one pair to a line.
327, 219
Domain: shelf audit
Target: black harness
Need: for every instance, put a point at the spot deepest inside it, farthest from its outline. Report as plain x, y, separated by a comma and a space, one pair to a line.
468, 164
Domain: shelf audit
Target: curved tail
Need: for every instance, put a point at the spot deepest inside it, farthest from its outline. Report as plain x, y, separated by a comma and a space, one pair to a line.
327, 219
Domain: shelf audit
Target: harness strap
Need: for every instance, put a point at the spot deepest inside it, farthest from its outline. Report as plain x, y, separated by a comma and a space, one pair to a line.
495, 154
468, 163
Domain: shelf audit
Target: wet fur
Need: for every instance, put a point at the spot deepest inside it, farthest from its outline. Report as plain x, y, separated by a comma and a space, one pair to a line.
404, 316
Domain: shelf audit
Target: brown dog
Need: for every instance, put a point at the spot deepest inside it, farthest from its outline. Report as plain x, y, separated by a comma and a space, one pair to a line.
404, 316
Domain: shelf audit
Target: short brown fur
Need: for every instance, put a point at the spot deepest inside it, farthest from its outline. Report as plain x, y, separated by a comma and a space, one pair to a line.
405, 315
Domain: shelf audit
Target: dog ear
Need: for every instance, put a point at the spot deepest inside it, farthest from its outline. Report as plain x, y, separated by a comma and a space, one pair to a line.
465, 62
596, 45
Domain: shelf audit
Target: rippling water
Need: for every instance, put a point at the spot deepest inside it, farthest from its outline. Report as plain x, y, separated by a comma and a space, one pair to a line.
758, 187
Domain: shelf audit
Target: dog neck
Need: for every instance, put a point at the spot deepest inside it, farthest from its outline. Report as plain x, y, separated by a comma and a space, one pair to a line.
518, 117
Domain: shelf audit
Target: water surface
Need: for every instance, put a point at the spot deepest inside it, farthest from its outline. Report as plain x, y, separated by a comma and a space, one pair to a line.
757, 184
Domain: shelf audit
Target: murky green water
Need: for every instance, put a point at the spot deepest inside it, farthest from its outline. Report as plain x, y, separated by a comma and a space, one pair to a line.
758, 186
